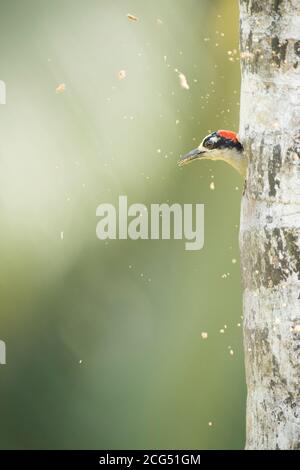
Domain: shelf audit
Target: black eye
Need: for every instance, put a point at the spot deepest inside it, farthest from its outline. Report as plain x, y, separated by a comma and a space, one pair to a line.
208, 144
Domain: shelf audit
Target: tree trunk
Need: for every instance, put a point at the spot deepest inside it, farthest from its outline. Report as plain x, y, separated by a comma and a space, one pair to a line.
270, 220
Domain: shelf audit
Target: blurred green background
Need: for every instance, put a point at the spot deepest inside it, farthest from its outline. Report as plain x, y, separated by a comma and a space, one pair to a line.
104, 345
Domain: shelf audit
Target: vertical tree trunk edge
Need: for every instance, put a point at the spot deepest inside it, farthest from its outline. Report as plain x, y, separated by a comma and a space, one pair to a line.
270, 220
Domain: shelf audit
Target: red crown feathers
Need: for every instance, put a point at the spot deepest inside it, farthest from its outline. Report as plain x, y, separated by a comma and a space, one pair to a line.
228, 135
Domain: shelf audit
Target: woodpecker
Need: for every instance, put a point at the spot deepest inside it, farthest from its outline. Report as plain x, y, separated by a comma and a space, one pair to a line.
219, 145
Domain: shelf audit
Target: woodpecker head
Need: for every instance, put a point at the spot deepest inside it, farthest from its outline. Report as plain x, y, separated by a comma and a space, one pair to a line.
220, 145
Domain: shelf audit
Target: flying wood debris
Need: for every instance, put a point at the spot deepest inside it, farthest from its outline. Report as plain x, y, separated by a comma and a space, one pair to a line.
61, 88
132, 17
183, 81
122, 74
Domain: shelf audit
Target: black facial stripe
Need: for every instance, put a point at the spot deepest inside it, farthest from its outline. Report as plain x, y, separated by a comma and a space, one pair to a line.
228, 143
213, 141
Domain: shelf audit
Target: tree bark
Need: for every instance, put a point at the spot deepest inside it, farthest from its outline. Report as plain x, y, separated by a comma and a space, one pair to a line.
270, 220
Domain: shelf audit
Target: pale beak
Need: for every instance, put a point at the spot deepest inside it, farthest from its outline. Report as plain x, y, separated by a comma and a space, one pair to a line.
191, 156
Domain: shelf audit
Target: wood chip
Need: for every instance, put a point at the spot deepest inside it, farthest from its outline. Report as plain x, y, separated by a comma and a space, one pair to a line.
61, 88
183, 81
132, 17
122, 74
